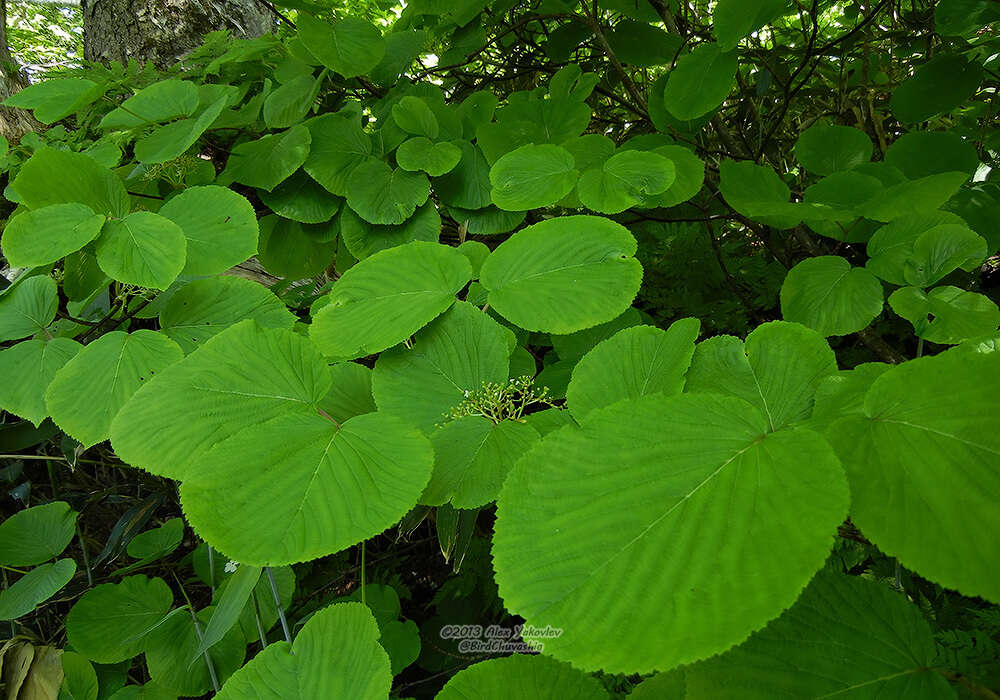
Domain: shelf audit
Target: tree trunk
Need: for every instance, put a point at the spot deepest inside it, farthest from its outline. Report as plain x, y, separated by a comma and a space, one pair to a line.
162, 31
14, 123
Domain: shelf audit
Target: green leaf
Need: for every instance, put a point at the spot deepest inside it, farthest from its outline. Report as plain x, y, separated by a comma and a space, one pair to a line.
641, 45
388, 297
922, 467
937, 87
172, 140
413, 116
144, 249
628, 513
87, 393
28, 308
689, 174
752, 190
160, 102
824, 149
36, 534
454, 355
624, 180
61, 177
157, 542
336, 655
230, 606
575, 345
940, 251
488, 221
351, 394
270, 160
913, 196
587, 258
302, 199
522, 676
309, 483
240, 378
467, 185
296, 251
700, 81
220, 227
734, 19
56, 98
34, 588
420, 153
922, 153
843, 393
203, 308
111, 621
946, 315
472, 457
777, 370
828, 295
383, 195
532, 176
632, 363
290, 103
845, 637
42, 236
891, 247
170, 647
79, 677
364, 239
338, 147
349, 46
31, 365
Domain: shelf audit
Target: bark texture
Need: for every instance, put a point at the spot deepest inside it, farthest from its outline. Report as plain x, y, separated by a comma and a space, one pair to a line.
162, 31
14, 123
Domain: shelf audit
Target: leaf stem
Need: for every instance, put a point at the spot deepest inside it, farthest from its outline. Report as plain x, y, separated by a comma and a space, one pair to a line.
277, 604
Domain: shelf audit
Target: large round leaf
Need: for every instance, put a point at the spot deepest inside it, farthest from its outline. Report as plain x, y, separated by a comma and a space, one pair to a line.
472, 457
34, 588
350, 46
30, 367
628, 513
624, 180
203, 308
845, 637
87, 393
171, 646
386, 298
294, 250
243, 376
28, 308
522, 676
36, 534
532, 176
700, 81
454, 355
364, 239
946, 314
111, 622
338, 147
220, 226
777, 370
632, 363
305, 472
45, 235
828, 295
144, 249
270, 160
159, 102
336, 655
829, 148
563, 275
938, 86
467, 185
300, 198
421, 153
924, 468
891, 247
51, 176
382, 195
734, 19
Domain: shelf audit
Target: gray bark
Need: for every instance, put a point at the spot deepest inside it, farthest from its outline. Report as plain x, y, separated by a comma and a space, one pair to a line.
162, 31
14, 123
